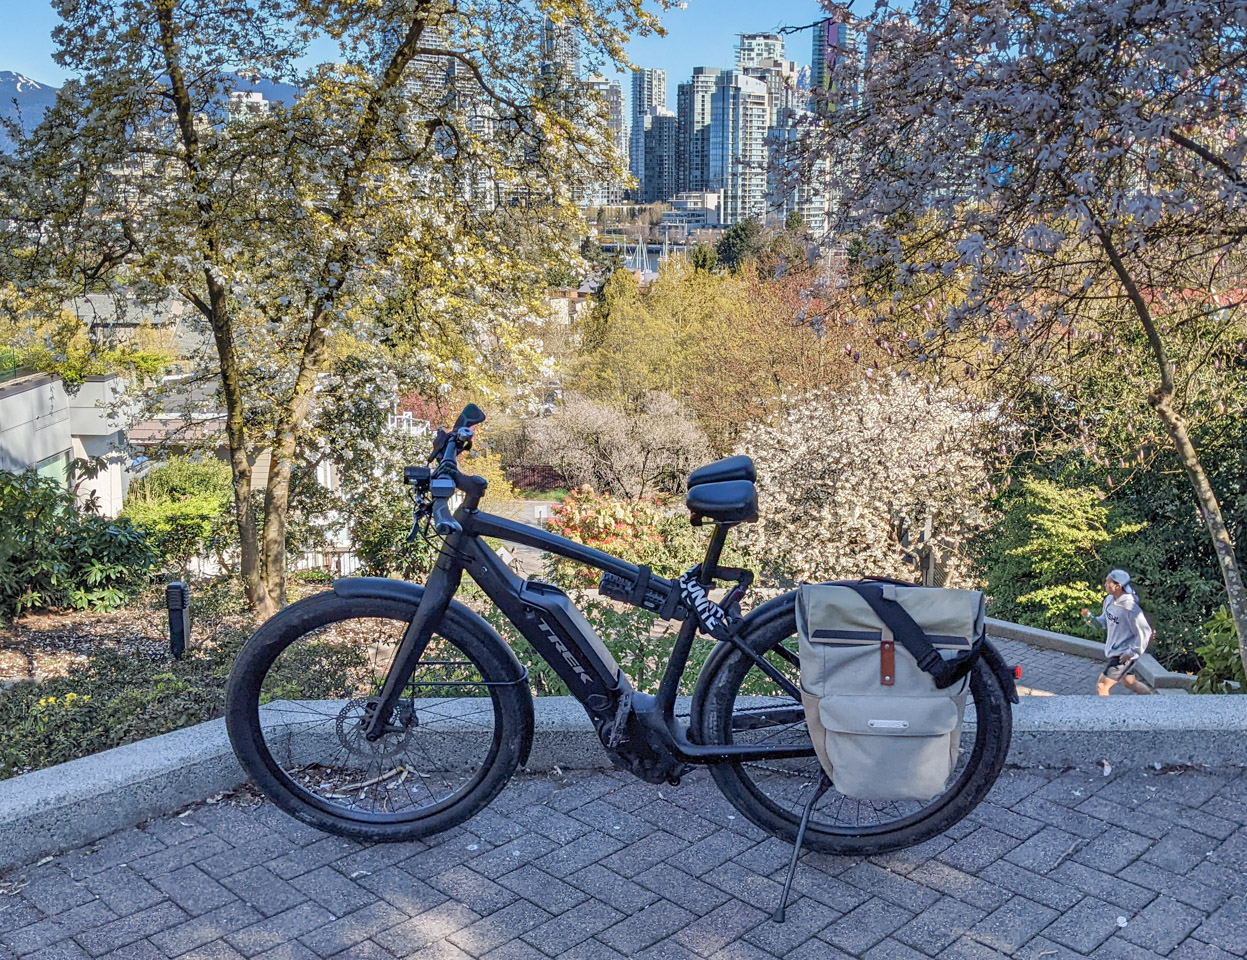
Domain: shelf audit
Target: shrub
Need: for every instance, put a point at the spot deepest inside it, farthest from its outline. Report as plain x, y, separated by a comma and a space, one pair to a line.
1043, 559
640, 531
184, 506
1221, 662
117, 696
53, 555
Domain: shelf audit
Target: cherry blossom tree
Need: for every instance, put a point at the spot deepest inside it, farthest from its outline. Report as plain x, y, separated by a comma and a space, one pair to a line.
1030, 182
412, 195
870, 479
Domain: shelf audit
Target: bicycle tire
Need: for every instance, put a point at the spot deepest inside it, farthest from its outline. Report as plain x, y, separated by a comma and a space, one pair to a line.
502, 741
716, 713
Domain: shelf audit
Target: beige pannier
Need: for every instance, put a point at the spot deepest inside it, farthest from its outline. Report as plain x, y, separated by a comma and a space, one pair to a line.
882, 727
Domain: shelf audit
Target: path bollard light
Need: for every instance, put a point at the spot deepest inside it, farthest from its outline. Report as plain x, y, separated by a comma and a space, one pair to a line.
178, 600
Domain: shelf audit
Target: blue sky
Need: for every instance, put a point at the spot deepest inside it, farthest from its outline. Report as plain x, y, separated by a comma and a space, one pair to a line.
701, 35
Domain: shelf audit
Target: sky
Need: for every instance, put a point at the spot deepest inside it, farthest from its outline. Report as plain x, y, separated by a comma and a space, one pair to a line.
703, 34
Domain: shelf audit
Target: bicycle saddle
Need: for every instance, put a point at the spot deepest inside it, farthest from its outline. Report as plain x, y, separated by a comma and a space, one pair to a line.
730, 468
731, 501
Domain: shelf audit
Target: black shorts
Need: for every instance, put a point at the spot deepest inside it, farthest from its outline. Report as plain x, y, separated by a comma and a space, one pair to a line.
1118, 667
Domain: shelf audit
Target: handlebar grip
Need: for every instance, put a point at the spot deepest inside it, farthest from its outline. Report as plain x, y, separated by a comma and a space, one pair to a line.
443, 522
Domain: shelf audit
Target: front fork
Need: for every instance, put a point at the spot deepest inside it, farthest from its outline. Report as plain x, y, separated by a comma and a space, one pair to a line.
440, 589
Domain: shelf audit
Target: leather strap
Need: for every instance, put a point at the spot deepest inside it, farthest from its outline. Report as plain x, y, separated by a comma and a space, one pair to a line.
887, 663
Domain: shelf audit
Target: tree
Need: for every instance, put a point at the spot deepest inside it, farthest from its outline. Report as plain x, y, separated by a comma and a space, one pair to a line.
426, 168
869, 480
1056, 178
794, 222
1043, 560
740, 242
629, 453
704, 257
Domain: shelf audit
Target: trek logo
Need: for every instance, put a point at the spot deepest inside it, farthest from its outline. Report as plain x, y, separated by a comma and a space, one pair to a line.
562, 648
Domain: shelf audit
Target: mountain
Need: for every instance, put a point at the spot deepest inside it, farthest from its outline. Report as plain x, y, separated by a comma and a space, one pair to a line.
23, 101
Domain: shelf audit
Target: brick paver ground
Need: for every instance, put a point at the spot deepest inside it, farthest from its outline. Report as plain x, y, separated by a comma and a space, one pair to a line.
1047, 672
1056, 865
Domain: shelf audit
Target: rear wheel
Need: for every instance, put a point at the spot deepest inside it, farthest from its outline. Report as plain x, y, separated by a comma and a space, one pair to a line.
737, 703
298, 696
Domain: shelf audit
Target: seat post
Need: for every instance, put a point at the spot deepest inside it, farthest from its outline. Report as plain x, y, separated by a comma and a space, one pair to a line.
714, 550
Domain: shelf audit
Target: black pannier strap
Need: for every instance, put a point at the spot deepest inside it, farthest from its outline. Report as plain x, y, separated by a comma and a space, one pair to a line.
944, 672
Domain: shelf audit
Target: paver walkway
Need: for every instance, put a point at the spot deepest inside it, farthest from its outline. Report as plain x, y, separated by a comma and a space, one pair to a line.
1047, 672
1056, 865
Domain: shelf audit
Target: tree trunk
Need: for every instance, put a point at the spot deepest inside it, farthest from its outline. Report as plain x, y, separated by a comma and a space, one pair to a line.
216, 311
1161, 400
1210, 509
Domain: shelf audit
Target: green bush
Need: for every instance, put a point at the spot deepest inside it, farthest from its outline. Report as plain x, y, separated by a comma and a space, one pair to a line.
1043, 560
1221, 663
114, 697
54, 555
184, 506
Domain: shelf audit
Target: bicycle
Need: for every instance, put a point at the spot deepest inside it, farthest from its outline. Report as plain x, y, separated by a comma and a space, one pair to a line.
385, 710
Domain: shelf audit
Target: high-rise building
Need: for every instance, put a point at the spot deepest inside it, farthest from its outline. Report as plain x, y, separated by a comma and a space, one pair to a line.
754, 47
658, 130
834, 39
649, 89
781, 78
608, 95
738, 124
798, 179
560, 55
692, 151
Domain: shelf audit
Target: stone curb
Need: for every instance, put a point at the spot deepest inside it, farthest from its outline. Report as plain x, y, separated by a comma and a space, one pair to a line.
1149, 667
77, 802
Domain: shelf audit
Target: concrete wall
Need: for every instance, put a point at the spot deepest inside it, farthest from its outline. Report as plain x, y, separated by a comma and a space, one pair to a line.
39, 419
34, 421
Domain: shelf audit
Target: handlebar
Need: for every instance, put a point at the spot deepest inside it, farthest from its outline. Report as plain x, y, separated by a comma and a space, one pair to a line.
443, 488
440, 483
443, 522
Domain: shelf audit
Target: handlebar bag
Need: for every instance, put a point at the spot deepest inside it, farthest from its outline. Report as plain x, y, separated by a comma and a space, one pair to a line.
884, 678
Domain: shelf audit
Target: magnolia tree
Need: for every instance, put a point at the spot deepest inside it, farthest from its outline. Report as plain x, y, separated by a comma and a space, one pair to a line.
630, 453
412, 195
1041, 186
870, 479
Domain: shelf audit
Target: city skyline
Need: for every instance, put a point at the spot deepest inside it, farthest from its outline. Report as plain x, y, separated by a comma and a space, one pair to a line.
704, 34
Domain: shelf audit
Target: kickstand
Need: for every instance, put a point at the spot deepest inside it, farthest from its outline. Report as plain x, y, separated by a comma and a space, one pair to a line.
823, 786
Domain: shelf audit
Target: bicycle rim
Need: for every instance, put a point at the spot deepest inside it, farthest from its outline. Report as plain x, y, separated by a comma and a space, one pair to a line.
443, 736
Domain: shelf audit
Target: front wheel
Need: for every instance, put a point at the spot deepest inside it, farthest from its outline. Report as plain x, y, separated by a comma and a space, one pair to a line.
297, 700
735, 702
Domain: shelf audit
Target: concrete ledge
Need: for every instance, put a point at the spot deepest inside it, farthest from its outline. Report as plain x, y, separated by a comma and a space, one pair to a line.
78, 802
1149, 667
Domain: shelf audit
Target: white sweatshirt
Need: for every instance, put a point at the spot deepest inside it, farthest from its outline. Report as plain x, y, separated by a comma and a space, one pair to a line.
1128, 629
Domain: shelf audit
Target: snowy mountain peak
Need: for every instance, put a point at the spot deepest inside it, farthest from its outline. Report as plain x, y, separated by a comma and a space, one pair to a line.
20, 83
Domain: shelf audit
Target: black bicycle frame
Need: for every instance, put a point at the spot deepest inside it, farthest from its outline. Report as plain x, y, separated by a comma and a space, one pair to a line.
564, 639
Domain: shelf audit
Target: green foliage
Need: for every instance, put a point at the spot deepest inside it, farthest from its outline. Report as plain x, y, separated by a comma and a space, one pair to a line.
742, 241
53, 555
117, 696
794, 222
1044, 558
704, 257
1221, 662
185, 507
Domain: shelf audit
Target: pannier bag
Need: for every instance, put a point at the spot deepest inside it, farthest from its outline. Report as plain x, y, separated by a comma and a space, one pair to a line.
884, 677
